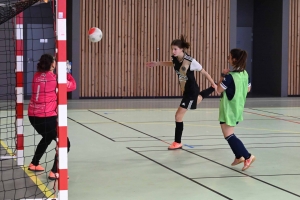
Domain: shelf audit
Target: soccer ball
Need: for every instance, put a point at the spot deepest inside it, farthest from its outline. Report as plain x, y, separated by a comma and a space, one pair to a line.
95, 34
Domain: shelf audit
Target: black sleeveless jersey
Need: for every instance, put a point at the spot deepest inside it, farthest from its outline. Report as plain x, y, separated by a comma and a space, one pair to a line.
191, 87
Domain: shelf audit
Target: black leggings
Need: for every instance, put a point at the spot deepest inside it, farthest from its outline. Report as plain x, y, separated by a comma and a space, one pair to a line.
47, 128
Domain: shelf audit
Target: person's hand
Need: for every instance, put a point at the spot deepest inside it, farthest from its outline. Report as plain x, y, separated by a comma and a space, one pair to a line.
151, 64
215, 86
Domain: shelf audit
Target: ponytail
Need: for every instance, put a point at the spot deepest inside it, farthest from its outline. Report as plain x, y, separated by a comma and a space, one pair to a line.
181, 43
241, 59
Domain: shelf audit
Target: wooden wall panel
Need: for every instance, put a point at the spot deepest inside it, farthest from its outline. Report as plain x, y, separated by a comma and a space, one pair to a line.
294, 48
138, 31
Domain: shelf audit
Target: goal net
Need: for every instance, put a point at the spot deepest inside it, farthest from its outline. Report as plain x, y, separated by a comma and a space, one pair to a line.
29, 29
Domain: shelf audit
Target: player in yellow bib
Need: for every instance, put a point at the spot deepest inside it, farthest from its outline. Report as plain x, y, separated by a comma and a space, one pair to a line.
234, 86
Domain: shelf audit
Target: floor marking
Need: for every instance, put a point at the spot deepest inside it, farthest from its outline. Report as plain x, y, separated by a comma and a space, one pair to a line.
187, 124
272, 117
188, 146
30, 174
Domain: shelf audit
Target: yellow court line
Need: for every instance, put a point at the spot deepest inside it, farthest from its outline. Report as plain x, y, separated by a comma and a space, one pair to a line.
31, 175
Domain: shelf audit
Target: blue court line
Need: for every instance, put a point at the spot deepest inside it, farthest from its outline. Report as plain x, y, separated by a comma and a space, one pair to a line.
188, 146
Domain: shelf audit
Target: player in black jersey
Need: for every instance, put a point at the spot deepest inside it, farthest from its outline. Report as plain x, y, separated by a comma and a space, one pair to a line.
184, 66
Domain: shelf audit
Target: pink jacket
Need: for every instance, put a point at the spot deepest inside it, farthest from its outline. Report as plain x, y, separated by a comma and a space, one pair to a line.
43, 102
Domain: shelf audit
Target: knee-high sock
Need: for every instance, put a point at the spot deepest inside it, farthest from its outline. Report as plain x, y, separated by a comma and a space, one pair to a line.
237, 146
178, 131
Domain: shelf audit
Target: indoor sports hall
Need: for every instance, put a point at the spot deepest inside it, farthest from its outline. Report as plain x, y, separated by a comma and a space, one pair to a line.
110, 128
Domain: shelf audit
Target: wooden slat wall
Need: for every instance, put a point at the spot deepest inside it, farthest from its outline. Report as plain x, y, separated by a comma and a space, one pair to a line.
294, 48
138, 31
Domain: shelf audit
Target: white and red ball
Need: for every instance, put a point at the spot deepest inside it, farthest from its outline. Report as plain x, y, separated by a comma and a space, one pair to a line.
95, 34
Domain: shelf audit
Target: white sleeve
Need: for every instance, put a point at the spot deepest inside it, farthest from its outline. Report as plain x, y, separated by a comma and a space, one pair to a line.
195, 66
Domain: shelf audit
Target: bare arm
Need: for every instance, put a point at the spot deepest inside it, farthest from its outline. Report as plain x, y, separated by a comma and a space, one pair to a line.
219, 87
207, 76
159, 63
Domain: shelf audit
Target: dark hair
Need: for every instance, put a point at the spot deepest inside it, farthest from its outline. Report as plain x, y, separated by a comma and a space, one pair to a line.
181, 43
45, 63
240, 57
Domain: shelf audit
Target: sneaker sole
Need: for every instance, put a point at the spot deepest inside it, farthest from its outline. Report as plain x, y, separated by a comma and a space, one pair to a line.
35, 170
52, 178
250, 164
232, 164
175, 148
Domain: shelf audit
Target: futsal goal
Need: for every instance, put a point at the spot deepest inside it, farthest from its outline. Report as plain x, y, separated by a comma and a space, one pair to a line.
28, 29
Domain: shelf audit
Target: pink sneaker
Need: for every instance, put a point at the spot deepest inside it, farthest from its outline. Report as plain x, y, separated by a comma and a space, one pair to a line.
54, 176
175, 145
248, 162
34, 168
238, 161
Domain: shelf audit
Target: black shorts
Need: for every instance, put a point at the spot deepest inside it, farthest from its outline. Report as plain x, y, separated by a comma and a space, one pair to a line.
224, 123
189, 103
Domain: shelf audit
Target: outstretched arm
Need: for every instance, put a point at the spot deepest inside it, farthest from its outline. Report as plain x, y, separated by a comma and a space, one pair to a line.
208, 77
195, 66
159, 63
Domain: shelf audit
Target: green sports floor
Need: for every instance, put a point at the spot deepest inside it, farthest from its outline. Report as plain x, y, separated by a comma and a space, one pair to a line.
119, 152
